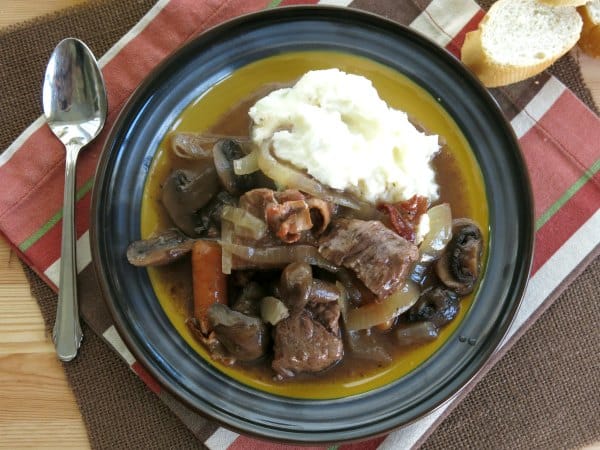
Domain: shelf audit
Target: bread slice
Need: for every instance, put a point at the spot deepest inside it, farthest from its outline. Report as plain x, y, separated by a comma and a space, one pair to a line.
589, 41
517, 39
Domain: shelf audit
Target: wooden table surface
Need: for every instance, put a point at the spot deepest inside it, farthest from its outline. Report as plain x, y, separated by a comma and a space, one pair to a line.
37, 407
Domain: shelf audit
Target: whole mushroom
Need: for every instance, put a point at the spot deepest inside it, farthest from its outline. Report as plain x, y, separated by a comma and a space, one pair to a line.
225, 152
460, 265
437, 305
295, 286
185, 191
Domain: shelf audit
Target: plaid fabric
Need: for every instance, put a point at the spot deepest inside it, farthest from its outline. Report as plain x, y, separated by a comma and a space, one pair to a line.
559, 137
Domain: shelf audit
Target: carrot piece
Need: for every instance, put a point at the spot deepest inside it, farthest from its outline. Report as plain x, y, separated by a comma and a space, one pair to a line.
208, 281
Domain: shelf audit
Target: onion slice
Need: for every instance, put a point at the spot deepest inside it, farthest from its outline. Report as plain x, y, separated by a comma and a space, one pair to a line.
372, 314
198, 146
343, 300
226, 238
440, 232
192, 145
288, 177
273, 257
246, 165
245, 224
272, 310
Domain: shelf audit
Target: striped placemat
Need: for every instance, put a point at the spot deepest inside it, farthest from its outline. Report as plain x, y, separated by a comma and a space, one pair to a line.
559, 137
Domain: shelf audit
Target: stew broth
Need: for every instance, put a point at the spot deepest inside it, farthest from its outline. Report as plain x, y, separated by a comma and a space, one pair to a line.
221, 111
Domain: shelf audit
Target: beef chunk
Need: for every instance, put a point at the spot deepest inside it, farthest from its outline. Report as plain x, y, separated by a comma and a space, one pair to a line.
304, 345
379, 257
246, 338
217, 351
328, 314
323, 304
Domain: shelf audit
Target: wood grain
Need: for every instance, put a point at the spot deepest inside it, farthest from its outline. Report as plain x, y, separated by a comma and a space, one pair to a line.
16, 11
37, 407
590, 69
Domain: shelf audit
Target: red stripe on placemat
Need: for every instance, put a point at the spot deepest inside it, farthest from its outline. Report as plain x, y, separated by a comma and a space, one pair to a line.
146, 377
552, 143
455, 45
34, 211
568, 219
248, 443
42, 152
40, 159
371, 444
541, 154
298, 2
46, 250
567, 114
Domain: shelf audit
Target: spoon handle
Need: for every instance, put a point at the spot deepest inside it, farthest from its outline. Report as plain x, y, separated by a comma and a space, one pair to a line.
67, 333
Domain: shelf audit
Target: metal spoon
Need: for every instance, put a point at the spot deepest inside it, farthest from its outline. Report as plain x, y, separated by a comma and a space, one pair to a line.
74, 101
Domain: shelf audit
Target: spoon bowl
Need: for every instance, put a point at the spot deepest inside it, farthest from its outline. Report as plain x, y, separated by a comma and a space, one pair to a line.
75, 106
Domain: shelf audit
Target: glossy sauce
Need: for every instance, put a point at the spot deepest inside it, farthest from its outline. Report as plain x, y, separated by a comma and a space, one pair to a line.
223, 109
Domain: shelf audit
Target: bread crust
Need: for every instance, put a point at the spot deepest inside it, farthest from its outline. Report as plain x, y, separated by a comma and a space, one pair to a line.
589, 41
563, 2
492, 74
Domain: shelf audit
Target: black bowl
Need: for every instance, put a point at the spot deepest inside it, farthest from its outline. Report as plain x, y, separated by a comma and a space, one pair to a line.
192, 70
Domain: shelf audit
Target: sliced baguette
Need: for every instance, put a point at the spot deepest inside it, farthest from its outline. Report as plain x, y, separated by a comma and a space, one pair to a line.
589, 41
517, 39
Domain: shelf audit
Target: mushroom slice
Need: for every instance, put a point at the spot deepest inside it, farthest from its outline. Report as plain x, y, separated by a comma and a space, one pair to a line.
460, 265
186, 191
437, 305
162, 249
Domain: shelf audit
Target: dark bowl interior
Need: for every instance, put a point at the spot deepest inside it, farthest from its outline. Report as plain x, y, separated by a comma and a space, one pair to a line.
187, 74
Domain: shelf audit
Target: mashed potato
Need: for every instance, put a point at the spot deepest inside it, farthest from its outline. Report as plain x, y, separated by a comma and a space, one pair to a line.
335, 126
